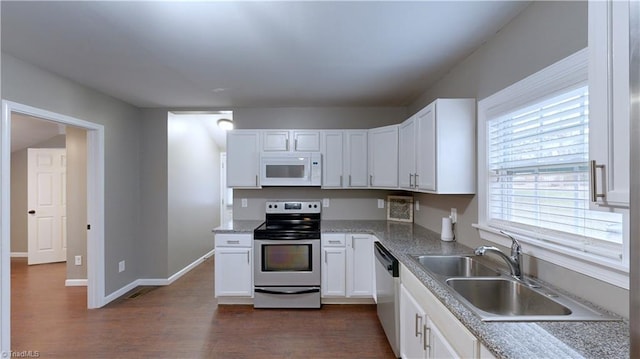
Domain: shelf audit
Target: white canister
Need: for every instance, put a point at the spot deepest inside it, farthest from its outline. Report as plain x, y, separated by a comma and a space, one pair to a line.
447, 229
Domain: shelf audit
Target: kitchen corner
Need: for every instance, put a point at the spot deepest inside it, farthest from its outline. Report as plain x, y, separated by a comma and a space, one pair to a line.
504, 339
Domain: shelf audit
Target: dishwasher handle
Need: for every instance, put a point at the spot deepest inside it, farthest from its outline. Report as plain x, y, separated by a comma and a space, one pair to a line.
388, 261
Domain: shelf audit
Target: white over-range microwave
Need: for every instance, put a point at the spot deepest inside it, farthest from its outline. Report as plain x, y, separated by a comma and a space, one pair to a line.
290, 169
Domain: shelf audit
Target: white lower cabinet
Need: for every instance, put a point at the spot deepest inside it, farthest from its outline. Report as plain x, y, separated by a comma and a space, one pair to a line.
347, 265
420, 337
360, 260
427, 328
334, 265
233, 265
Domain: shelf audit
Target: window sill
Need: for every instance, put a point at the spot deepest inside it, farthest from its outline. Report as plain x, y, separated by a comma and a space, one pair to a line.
610, 271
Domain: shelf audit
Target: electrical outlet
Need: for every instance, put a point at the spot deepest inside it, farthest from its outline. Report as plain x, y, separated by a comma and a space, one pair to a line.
244, 203
454, 215
417, 205
120, 266
78, 260
325, 202
380, 203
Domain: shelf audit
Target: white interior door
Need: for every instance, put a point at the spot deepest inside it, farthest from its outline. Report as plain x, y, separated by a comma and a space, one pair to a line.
47, 238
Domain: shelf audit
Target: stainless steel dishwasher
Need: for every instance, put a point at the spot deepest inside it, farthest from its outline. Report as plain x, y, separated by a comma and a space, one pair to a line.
388, 295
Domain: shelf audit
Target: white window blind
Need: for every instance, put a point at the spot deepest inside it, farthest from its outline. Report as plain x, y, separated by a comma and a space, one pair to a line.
538, 176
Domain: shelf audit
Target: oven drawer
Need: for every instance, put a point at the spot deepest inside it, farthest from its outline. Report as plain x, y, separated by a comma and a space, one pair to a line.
234, 240
333, 240
287, 297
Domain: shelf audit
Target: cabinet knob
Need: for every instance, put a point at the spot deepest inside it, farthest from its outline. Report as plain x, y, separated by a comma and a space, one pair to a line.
32, 212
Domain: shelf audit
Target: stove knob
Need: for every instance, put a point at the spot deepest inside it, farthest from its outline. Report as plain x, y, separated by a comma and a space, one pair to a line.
309, 206
315, 206
270, 206
275, 206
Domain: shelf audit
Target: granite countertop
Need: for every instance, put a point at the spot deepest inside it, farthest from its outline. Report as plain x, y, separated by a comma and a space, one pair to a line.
608, 339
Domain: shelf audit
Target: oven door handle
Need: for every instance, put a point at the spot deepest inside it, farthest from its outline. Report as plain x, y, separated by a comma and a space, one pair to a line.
291, 292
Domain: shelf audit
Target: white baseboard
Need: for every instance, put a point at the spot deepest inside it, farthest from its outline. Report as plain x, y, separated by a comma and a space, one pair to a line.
19, 255
339, 300
156, 281
75, 282
186, 269
120, 292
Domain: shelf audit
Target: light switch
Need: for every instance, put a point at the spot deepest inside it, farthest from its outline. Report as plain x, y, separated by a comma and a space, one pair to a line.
380, 203
417, 205
325, 202
244, 203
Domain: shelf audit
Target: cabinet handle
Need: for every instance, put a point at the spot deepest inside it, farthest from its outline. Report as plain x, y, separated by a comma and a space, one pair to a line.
325, 257
248, 257
349, 180
425, 339
256, 180
594, 179
410, 180
233, 242
334, 242
415, 180
340, 180
295, 144
418, 318
370, 180
286, 142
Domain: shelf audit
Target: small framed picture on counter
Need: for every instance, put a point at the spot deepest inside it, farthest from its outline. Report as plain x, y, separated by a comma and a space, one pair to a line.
400, 208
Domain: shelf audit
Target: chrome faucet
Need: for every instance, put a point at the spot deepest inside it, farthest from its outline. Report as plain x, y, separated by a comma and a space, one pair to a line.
513, 261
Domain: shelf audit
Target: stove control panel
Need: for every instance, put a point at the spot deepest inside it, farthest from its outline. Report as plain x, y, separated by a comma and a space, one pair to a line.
308, 206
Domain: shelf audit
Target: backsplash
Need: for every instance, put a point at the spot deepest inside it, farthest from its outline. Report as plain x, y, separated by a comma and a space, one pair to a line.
343, 204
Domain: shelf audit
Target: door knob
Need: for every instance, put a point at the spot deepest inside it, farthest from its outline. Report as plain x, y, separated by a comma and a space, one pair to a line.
32, 212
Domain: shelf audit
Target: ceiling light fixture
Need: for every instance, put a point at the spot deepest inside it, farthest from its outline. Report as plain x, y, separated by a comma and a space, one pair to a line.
225, 124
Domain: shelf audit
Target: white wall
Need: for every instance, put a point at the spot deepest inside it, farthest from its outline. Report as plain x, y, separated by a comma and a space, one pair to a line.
541, 35
76, 201
193, 189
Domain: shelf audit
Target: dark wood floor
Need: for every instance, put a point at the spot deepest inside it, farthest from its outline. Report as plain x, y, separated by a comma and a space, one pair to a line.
179, 321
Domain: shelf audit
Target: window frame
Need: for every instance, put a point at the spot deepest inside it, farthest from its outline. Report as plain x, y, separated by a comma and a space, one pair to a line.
565, 75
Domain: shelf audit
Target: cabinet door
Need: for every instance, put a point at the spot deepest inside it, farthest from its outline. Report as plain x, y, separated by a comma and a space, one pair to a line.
609, 101
333, 272
426, 165
233, 272
306, 141
407, 154
412, 325
275, 140
360, 267
383, 157
355, 161
437, 345
332, 159
243, 148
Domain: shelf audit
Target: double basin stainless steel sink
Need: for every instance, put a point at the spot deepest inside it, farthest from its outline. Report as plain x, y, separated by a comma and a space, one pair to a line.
495, 296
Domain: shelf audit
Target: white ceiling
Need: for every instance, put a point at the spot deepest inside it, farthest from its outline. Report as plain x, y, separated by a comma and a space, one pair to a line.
252, 54
27, 131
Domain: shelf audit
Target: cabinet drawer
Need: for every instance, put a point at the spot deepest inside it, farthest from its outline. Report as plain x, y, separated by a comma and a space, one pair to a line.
234, 240
333, 240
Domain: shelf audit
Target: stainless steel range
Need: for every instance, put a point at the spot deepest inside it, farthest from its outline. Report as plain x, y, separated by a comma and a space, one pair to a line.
287, 256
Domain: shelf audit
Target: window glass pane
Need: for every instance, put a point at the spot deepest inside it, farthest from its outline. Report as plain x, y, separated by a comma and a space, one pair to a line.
539, 174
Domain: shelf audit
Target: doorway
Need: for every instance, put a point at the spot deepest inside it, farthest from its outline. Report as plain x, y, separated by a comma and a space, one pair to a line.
95, 208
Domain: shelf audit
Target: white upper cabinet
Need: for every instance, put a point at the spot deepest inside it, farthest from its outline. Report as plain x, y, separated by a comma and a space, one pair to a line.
243, 149
383, 157
609, 102
407, 153
355, 160
344, 158
332, 159
437, 148
294, 140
